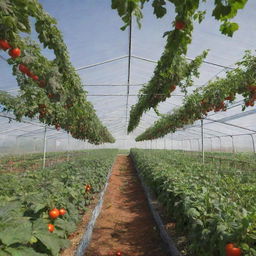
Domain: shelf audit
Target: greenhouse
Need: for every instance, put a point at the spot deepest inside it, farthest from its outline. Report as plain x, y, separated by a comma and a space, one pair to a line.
127, 128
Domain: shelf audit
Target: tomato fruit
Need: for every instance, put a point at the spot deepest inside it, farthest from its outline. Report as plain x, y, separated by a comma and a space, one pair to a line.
54, 213
35, 78
51, 227
231, 250
15, 52
179, 25
62, 211
24, 69
4, 45
236, 252
118, 253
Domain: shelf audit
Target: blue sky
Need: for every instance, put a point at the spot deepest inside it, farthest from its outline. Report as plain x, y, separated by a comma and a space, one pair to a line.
91, 30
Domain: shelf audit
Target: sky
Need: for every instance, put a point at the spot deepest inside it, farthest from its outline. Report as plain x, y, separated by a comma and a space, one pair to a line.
91, 31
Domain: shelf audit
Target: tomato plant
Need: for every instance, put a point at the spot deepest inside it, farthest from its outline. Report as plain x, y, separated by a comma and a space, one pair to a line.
24, 216
195, 195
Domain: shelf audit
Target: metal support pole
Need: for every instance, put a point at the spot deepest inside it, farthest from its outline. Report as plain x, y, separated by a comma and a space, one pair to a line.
202, 138
45, 130
233, 146
220, 143
198, 141
253, 143
190, 144
211, 145
68, 149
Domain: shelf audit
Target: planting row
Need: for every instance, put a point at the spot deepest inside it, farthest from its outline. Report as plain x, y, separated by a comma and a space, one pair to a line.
33, 161
216, 209
39, 209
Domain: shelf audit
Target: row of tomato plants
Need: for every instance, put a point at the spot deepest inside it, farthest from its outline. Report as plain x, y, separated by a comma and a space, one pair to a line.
215, 208
216, 96
39, 209
29, 161
50, 89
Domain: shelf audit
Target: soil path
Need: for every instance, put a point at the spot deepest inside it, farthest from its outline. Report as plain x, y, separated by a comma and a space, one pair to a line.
125, 223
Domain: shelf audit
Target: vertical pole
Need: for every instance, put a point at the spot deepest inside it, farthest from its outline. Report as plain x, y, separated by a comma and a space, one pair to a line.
45, 130
220, 143
164, 144
211, 144
190, 145
68, 149
253, 143
233, 146
202, 138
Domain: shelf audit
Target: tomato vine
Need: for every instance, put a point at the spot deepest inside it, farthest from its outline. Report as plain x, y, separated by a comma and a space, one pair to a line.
214, 97
51, 84
172, 69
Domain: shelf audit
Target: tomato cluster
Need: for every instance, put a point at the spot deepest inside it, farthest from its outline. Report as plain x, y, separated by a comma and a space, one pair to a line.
13, 52
231, 250
54, 214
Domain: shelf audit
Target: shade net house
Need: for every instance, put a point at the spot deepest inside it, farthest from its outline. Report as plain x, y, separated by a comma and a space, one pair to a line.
160, 76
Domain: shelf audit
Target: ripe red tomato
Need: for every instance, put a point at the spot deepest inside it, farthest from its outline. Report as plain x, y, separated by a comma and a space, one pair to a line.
24, 69
119, 253
15, 52
236, 252
51, 227
180, 25
35, 78
54, 213
62, 211
231, 250
4, 45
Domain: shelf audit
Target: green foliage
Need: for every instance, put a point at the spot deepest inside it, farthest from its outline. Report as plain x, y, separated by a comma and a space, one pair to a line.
59, 88
213, 207
215, 96
26, 198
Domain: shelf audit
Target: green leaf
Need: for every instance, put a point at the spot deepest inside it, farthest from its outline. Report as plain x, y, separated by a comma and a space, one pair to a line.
52, 241
23, 251
17, 231
228, 28
159, 10
68, 226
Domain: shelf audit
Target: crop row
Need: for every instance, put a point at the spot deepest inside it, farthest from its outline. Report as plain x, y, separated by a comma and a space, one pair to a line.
213, 207
29, 223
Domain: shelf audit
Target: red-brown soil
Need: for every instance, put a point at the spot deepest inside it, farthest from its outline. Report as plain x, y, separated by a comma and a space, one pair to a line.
125, 223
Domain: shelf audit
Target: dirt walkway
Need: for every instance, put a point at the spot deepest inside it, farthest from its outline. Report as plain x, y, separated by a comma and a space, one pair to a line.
125, 223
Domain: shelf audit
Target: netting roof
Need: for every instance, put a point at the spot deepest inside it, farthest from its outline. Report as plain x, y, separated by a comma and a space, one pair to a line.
100, 52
